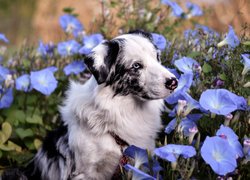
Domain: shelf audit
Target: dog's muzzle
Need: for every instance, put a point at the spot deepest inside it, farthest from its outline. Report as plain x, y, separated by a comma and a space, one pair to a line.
171, 84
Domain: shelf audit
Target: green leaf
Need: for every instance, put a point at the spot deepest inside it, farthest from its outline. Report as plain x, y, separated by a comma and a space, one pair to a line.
35, 119
15, 116
29, 144
14, 146
23, 133
247, 43
3, 139
206, 68
223, 76
5, 147
194, 54
6, 129
26, 63
1, 154
37, 143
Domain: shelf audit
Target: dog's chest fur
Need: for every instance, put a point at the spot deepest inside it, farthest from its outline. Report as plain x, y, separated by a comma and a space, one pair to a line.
95, 112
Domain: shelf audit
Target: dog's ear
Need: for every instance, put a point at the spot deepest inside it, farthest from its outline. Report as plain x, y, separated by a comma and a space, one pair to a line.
101, 58
142, 33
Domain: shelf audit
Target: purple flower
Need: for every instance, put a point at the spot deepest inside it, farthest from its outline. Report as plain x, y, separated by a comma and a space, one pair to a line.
221, 101
3, 73
159, 40
137, 173
6, 98
140, 157
194, 9
219, 155
74, 67
3, 38
177, 10
71, 24
231, 39
90, 42
171, 152
23, 83
229, 135
186, 64
44, 81
45, 49
246, 62
68, 48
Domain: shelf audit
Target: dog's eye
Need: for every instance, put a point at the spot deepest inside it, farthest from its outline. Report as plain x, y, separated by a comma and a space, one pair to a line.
136, 66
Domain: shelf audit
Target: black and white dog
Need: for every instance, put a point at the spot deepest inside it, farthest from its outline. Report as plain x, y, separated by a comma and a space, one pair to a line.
119, 105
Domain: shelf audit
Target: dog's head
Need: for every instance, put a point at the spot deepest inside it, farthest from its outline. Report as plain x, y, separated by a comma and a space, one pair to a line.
130, 64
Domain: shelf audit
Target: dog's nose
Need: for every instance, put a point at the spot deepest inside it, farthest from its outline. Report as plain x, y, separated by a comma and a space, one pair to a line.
171, 84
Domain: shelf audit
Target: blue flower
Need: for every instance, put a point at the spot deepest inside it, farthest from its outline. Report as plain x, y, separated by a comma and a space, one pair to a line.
246, 62
44, 81
171, 152
3, 73
6, 98
159, 40
221, 101
231, 39
229, 135
184, 83
71, 24
90, 42
177, 10
74, 67
190, 104
137, 173
186, 123
194, 9
68, 48
45, 49
3, 38
140, 157
171, 126
219, 155
186, 65
23, 83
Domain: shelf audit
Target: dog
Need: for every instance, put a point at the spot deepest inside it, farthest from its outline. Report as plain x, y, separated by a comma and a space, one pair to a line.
120, 105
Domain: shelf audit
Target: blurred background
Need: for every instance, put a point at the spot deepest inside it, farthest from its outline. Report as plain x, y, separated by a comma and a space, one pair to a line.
30, 20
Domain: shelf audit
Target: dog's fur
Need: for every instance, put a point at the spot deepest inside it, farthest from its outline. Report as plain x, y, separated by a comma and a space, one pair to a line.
124, 96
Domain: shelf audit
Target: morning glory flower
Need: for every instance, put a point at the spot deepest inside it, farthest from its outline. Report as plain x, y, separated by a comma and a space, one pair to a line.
74, 67
23, 83
186, 64
246, 62
228, 134
3, 38
45, 49
6, 98
219, 155
159, 40
3, 73
177, 10
90, 42
68, 48
171, 152
220, 101
43, 81
71, 24
194, 9
139, 155
137, 173
190, 104
231, 39
184, 83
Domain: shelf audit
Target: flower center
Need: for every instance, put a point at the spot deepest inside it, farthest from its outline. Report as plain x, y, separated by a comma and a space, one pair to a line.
217, 156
